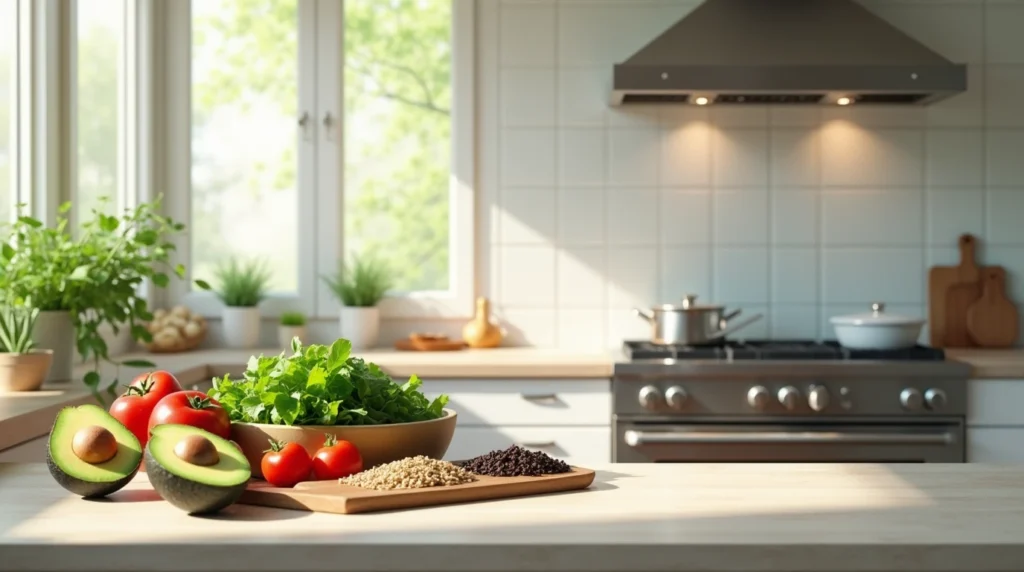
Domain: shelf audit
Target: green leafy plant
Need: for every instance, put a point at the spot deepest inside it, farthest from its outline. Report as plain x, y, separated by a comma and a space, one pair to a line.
293, 319
95, 274
361, 284
320, 385
241, 283
16, 325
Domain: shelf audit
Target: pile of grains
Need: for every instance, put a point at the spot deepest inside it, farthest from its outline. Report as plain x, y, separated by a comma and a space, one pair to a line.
410, 473
516, 462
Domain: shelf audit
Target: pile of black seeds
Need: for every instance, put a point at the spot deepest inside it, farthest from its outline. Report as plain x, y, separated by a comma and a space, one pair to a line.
516, 462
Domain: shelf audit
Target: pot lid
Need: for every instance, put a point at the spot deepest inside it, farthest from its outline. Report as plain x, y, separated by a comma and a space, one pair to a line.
876, 317
690, 303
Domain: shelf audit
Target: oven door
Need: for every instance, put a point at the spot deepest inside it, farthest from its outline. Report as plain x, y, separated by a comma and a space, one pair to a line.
868, 442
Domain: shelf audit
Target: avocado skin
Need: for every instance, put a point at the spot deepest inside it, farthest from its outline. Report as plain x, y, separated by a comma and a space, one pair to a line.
85, 489
190, 496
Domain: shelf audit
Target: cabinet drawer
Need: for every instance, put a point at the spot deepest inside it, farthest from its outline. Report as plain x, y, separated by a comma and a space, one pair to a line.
995, 446
532, 402
995, 402
575, 445
33, 451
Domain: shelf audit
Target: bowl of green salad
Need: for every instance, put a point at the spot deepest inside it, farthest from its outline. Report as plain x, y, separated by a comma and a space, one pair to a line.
319, 390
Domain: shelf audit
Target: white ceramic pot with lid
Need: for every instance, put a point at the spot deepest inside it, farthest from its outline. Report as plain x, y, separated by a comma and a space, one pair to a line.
876, 330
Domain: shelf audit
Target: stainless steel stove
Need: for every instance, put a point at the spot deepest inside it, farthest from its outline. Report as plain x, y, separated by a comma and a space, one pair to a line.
787, 401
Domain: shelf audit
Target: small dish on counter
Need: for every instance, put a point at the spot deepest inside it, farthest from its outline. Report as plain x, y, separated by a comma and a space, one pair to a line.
429, 343
876, 330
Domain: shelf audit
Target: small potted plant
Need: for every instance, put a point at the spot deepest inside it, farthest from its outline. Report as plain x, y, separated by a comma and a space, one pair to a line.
360, 287
22, 367
293, 325
241, 286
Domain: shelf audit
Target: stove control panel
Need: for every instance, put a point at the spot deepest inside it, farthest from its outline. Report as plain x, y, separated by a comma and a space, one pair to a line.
767, 397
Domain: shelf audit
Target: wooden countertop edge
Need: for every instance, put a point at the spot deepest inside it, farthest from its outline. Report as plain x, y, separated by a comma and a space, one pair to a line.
991, 364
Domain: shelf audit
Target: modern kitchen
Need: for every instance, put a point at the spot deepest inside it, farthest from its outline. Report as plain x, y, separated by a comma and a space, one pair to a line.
511, 285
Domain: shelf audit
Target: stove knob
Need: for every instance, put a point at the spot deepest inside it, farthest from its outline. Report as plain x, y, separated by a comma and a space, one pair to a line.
817, 398
758, 397
676, 397
789, 397
911, 399
935, 399
651, 398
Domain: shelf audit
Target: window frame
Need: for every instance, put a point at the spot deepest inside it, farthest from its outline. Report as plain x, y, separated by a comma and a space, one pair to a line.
321, 159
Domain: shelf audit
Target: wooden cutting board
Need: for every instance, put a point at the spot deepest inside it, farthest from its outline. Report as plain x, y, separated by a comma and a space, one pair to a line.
333, 497
429, 345
992, 319
951, 290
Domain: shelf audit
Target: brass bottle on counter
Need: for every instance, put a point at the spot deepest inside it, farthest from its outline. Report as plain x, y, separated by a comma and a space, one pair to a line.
481, 332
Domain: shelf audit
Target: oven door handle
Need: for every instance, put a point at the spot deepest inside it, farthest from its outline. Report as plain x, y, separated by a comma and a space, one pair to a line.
640, 438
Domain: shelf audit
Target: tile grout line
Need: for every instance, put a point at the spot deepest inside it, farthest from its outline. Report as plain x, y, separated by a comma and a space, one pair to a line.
556, 146
819, 255
770, 254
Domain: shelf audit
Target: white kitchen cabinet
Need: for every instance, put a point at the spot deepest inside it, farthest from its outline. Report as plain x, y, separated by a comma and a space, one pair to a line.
33, 451
574, 445
566, 418
526, 402
995, 445
995, 402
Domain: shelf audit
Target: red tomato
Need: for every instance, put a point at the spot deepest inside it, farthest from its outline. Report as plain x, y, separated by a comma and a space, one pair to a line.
136, 404
285, 464
336, 459
192, 408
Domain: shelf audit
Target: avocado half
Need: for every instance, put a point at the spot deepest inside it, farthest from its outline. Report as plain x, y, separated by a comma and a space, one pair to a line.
83, 478
195, 489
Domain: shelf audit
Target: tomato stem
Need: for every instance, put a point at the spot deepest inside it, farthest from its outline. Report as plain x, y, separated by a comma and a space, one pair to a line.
275, 446
143, 388
330, 440
198, 402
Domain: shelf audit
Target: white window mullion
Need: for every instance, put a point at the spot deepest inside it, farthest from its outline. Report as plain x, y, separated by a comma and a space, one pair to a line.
176, 130
71, 111
329, 180
125, 109
310, 140
23, 140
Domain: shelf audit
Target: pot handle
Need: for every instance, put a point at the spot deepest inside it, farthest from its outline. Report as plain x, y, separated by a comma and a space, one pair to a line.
739, 326
649, 316
731, 315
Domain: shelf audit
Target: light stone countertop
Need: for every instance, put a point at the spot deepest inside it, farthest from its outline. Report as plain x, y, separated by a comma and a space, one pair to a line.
649, 517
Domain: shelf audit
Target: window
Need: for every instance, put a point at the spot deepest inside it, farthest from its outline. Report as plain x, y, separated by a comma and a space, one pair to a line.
318, 130
244, 151
398, 99
99, 105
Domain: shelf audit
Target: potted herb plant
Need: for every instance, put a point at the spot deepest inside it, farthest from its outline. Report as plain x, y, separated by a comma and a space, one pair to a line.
241, 285
85, 280
360, 287
293, 325
22, 366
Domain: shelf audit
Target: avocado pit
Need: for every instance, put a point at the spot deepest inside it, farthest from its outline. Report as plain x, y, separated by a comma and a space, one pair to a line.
94, 444
197, 450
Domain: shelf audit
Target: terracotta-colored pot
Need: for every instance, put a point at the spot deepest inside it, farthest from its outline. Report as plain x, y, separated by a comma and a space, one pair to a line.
377, 444
24, 372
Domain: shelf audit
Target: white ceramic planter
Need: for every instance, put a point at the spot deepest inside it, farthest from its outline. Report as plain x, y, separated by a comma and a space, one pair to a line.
55, 331
361, 326
119, 343
241, 326
286, 333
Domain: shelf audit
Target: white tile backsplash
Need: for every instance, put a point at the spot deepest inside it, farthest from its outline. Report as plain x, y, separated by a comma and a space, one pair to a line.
801, 213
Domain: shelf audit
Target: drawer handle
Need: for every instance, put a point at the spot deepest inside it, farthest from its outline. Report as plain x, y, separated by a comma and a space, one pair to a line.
539, 396
537, 444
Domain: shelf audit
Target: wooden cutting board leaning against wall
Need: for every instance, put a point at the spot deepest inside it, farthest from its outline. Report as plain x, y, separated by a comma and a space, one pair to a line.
992, 318
951, 291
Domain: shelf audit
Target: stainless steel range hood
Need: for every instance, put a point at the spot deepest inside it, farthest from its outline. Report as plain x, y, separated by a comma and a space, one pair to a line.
807, 52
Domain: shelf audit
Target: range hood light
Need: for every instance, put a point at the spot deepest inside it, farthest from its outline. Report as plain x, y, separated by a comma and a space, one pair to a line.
701, 100
844, 101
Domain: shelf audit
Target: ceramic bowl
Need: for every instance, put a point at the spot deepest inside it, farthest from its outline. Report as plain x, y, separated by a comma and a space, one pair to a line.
377, 444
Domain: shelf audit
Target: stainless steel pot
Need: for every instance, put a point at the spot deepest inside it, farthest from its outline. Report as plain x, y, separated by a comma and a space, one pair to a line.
691, 324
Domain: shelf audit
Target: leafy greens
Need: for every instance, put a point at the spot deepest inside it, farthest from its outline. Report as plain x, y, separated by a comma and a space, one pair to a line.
320, 385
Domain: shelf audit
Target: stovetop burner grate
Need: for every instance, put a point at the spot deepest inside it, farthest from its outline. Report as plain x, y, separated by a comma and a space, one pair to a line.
776, 350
